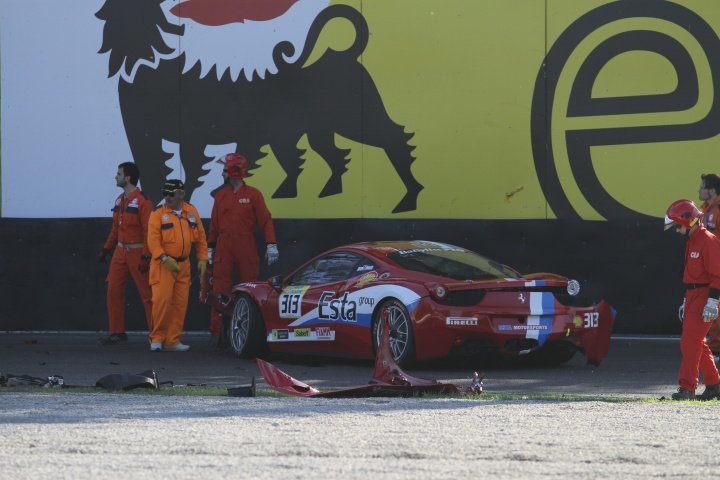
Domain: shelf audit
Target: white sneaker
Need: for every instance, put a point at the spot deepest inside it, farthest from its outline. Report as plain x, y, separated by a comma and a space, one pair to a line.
180, 347
155, 346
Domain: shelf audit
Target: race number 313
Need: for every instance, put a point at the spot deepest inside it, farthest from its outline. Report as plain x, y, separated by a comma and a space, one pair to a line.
290, 302
290, 305
591, 319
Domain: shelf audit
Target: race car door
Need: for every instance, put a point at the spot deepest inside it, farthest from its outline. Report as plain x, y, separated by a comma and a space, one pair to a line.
312, 308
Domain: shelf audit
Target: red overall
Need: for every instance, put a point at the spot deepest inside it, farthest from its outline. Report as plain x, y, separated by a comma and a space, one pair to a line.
702, 267
711, 220
232, 234
129, 232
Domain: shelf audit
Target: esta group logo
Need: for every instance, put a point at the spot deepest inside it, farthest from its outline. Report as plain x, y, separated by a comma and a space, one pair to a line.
570, 120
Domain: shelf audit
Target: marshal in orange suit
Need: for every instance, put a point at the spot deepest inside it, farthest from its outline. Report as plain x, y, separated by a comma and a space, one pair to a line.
173, 229
126, 243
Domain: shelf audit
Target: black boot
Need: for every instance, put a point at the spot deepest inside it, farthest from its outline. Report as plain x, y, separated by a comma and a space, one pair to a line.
683, 394
712, 392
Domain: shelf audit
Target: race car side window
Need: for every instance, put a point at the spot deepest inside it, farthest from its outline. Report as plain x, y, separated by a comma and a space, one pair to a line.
329, 268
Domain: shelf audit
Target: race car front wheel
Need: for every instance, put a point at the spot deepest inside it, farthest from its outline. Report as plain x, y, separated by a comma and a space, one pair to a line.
402, 339
246, 328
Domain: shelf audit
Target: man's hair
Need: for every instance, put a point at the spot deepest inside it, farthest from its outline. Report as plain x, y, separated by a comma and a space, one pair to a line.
711, 181
131, 170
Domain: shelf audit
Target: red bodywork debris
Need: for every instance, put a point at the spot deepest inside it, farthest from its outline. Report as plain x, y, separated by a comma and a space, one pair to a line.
388, 380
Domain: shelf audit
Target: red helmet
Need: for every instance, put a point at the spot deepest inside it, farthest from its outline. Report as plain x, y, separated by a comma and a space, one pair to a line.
236, 165
682, 212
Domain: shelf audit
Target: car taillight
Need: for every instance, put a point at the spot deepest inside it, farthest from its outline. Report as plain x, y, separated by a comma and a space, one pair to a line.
437, 290
573, 288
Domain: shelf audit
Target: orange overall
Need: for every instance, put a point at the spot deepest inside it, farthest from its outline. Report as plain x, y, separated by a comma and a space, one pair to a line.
232, 234
129, 233
174, 236
702, 272
711, 220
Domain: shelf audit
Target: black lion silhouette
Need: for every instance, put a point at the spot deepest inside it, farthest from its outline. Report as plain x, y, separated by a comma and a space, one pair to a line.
335, 94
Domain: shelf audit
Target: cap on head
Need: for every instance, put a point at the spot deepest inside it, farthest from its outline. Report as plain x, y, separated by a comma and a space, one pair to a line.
236, 165
171, 186
682, 212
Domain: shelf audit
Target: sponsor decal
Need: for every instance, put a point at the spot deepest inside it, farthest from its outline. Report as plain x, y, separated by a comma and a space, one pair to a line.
280, 334
504, 328
335, 309
464, 321
243, 200
578, 321
321, 334
364, 268
447, 248
290, 301
353, 308
324, 332
521, 297
694, 254
301, 332
249, 285
385, 275
366, 301
165, 217
529, 327
367, 278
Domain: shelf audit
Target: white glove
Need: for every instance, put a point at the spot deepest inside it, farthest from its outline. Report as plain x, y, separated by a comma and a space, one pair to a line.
710, 312
211, 252
271, 254
681, 311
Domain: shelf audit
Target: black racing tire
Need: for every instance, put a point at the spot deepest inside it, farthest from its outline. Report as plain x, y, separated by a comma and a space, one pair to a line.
553, 354
402, 336
246, 328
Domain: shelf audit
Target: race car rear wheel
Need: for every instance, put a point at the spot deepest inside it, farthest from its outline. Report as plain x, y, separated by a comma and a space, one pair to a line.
246, 329
402, 338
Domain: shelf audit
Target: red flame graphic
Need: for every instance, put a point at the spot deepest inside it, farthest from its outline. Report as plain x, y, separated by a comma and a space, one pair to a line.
222, 12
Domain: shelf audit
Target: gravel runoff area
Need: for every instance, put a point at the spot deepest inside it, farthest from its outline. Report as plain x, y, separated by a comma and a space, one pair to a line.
78, 435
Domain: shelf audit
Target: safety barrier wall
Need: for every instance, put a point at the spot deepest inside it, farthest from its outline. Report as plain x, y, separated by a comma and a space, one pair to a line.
50, 279
547, 126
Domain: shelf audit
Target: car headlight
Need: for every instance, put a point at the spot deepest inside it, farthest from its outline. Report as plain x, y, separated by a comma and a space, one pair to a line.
573, 287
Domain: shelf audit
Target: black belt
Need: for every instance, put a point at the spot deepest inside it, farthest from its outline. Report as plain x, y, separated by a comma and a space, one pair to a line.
178, 259
693, 286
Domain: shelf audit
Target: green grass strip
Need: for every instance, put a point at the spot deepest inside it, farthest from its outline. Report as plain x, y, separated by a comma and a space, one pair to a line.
191, 391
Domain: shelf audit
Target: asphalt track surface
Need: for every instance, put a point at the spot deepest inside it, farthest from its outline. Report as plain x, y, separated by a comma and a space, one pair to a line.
645, 366
82, 435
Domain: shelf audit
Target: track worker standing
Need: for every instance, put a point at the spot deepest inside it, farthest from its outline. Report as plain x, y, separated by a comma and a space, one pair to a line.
701, 277
237, 209
173, 229
127, 243
708, 193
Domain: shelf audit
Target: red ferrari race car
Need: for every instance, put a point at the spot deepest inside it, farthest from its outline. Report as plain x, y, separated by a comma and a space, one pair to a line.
439, 300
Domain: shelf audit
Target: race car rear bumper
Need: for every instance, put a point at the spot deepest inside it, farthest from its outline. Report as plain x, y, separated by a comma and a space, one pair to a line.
511, 334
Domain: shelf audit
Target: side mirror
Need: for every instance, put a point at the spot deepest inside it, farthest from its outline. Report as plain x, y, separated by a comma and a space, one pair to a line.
276, 282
